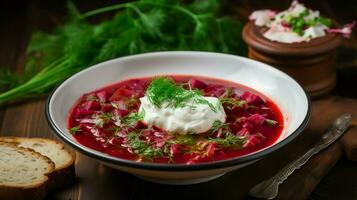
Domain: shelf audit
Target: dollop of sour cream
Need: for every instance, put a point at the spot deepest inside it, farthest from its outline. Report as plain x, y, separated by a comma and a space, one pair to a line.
279, 28
191, 119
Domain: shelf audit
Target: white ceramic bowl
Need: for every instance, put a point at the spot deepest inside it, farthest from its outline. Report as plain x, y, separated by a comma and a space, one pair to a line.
278, 86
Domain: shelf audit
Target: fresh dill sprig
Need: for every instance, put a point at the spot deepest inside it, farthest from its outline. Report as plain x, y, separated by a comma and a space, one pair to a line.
200, 100
164, 90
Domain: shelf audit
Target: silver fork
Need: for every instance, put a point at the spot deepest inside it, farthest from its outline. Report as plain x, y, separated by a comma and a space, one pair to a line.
268, 189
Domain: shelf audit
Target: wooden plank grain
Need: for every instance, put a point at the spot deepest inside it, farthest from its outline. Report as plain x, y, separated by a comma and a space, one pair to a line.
26, 119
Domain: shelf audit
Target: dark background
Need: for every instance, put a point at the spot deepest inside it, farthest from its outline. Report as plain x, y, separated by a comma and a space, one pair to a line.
19, 18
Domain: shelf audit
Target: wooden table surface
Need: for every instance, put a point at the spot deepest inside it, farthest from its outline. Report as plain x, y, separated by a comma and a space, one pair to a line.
95, 181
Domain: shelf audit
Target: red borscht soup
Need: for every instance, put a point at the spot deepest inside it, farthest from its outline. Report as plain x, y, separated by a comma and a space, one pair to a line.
175, 119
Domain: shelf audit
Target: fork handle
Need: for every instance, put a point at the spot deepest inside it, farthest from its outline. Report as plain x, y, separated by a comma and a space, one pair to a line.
283, 174
332, 134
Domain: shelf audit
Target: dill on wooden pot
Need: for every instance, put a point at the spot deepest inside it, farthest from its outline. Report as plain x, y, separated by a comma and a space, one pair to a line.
135, 27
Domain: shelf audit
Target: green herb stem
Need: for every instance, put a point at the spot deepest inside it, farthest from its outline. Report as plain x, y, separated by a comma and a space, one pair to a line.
49, 76
105, 9
133, 6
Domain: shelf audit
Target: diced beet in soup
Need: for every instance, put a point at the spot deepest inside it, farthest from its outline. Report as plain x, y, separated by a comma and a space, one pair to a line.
109, 120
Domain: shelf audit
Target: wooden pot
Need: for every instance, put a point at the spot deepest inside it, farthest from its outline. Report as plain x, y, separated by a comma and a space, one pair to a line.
312, 64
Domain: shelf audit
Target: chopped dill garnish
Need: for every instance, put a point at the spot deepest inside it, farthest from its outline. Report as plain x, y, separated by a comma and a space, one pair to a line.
102, 119
232, 102
99, 122
143, 148
227, 92
164, 90
106, 116
229, 140
91, 98
133, 117
74, 130
130, 101
271, 122
114, 129
184, 139
300, 22
218, 125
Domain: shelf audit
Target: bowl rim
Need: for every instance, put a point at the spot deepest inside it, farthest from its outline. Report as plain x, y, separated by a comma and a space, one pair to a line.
100, 156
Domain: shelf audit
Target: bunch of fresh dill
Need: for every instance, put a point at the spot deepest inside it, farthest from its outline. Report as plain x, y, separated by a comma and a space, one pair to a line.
137, 27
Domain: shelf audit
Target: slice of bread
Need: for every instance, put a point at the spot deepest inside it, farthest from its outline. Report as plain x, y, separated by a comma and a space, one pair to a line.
24, 173
64, 173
